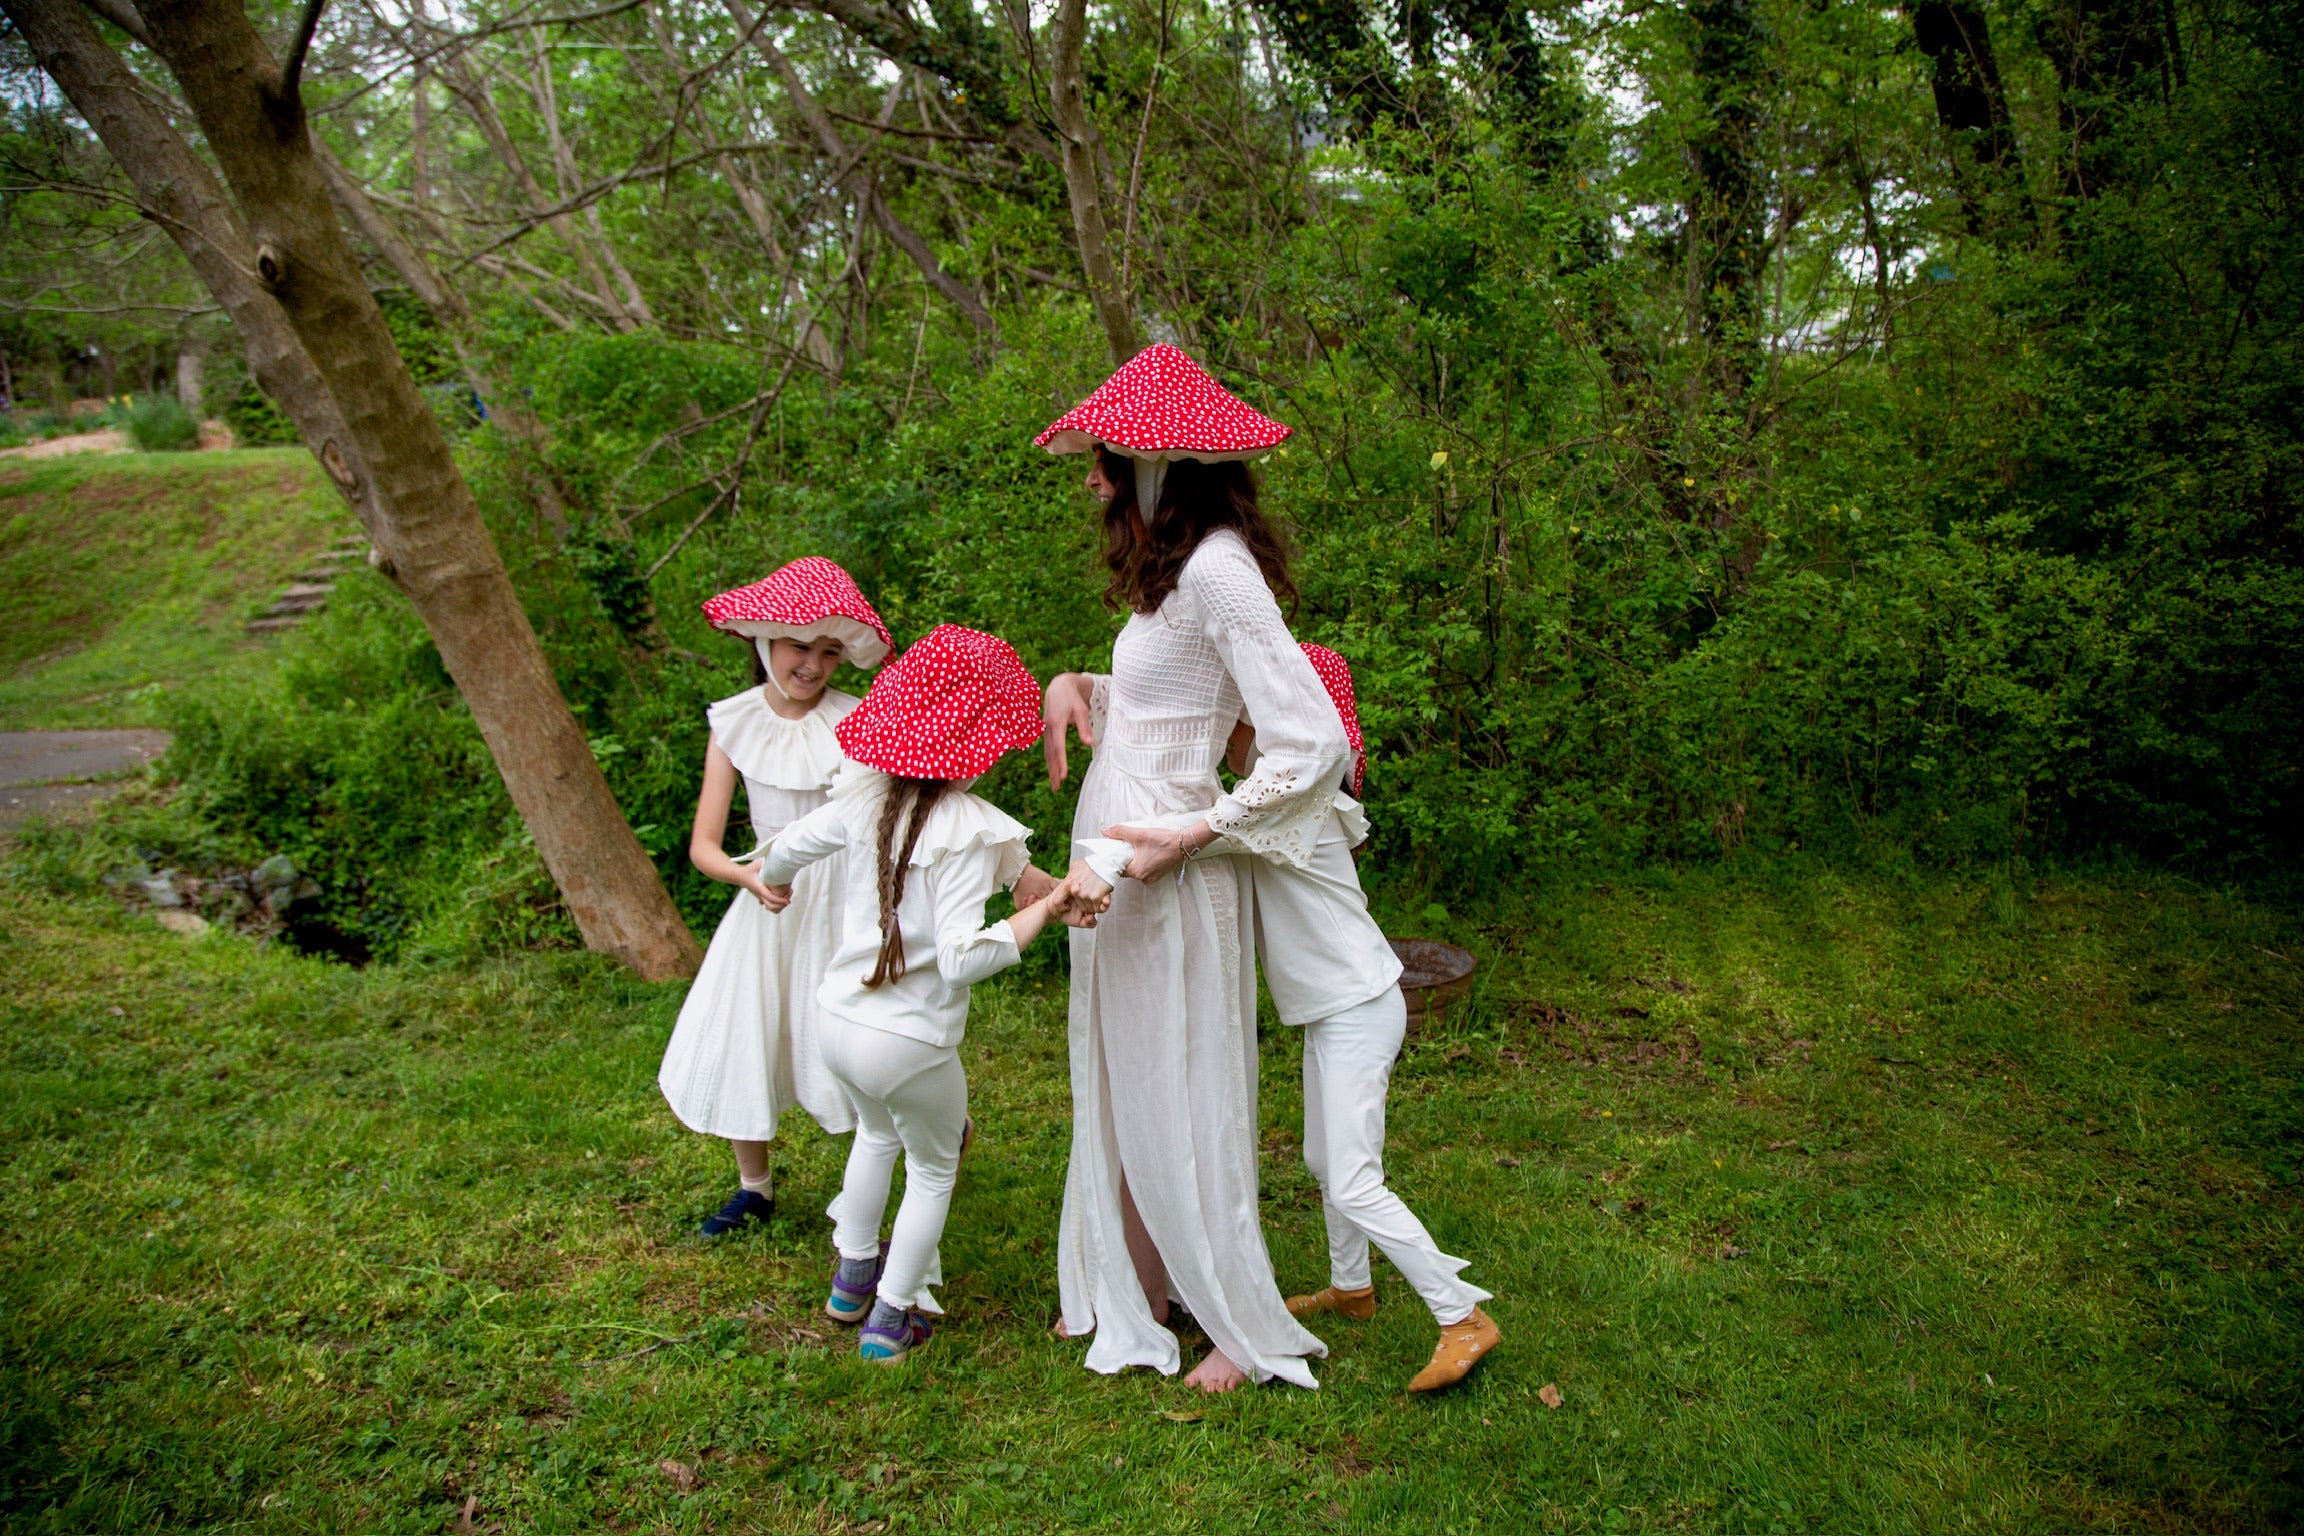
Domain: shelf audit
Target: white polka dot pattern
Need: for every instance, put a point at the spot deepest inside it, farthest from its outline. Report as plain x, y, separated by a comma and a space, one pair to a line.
945, 709
807, 592
1163, 403
1336, 677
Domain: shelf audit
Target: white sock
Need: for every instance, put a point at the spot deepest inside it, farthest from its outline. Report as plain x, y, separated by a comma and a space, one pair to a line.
764, 1186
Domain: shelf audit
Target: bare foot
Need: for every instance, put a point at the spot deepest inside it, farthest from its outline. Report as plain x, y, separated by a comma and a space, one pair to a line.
1217, 1373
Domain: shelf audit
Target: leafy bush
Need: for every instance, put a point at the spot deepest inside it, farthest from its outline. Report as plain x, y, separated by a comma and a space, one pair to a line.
160, 424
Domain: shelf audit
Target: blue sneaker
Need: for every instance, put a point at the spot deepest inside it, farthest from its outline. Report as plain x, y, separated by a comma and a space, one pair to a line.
851, 1299
742, 1206
887, 1345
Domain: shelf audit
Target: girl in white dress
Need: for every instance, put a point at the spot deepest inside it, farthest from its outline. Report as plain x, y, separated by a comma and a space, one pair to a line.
920, 856
745, 1048
1160, 1201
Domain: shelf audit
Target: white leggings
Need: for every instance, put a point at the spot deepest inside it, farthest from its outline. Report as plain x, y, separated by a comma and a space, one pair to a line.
1347, 1074
910, 1097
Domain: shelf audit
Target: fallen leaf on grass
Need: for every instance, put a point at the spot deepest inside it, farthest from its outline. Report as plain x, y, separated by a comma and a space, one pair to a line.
1729, 1251
464, 1525
1507, 1162
1778, 1146
1177, 1416
1549, 1395
684, 1478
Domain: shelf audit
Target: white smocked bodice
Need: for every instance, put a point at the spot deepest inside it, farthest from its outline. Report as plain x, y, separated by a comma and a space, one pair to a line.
1182, 675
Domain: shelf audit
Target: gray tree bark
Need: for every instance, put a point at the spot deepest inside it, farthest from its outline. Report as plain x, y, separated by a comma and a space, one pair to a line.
1068, 96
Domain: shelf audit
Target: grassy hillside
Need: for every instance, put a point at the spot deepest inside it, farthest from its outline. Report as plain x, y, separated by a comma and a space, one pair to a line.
1829, 1205
128, 574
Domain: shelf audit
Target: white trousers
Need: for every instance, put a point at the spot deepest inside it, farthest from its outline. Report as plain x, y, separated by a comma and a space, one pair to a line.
1347, 1074
910, 1097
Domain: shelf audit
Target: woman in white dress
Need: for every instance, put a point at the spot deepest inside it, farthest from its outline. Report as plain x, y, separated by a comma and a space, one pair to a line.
1160, 1201
744, 1049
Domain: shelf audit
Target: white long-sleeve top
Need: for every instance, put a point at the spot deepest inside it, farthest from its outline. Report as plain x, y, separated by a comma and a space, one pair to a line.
968, 848
1218, 648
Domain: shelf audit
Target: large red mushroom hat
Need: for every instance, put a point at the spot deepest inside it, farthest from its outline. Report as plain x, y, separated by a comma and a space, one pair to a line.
945, 709
1336, 677
810, 599
1162, 406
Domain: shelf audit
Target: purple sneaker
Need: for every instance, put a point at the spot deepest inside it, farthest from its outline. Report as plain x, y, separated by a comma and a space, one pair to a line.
887, 1345
851, 1298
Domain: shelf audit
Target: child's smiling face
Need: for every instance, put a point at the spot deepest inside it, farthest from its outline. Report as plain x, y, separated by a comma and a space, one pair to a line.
802, 667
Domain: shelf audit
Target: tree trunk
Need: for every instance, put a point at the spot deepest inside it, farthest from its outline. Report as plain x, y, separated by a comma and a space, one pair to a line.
507, 412
1727, 247
1068, 96
192, 374
319, 345
1971, 107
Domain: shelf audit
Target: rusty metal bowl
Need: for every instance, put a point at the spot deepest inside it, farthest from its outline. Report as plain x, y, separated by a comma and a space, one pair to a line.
1432, 975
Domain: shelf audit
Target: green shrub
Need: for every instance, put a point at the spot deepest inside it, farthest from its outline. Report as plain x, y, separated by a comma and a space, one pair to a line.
159, 424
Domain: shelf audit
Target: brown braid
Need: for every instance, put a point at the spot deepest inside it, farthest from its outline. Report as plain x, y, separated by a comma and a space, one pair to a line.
917, 797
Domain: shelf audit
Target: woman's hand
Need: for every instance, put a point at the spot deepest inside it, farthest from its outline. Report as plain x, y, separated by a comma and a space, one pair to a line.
1066, 703
1158, 850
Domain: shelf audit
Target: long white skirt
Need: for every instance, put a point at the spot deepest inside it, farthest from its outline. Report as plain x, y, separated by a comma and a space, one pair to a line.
745, 1048
1164, 1085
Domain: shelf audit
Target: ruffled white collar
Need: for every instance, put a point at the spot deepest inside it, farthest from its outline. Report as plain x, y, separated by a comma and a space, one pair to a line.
779, 753
959, 822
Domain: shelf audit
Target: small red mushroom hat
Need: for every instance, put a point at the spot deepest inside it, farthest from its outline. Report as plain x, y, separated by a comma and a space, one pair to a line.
1336, 677
1162, 406
810, 599
945, 709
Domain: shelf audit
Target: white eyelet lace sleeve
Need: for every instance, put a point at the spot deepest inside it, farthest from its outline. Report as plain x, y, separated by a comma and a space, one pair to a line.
1099, 702
1278, 810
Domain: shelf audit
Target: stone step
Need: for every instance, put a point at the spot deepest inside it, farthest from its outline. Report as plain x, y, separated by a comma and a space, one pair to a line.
308, 589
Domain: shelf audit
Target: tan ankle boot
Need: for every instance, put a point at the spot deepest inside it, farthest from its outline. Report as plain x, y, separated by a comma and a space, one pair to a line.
1460, 1348
1358, 1305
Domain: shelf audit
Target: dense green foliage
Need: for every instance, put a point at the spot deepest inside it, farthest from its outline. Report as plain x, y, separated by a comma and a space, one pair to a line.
1919, 1204
1707, 436
160, 424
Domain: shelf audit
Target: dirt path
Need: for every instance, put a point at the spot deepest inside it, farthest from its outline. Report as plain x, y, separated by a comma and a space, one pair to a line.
43, 772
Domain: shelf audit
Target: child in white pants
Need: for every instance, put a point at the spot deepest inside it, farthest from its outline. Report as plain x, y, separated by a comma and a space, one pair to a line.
924, 857
1331, 971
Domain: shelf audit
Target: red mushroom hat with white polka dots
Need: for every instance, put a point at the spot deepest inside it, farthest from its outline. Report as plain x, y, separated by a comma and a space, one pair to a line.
810, 599
1161, 405
945, 709
1336, 677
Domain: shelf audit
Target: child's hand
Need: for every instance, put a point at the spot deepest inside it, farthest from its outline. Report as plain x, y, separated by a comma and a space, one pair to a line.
1088, 886
774, 897
1032, 885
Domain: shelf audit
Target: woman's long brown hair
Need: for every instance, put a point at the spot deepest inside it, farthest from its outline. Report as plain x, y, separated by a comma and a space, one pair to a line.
1147, 555
907, 805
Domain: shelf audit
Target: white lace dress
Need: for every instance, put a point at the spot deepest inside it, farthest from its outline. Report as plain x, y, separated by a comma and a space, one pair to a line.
745, 1049
1164, 987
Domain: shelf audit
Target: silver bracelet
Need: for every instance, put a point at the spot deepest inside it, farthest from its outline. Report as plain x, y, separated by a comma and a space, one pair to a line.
1184, 841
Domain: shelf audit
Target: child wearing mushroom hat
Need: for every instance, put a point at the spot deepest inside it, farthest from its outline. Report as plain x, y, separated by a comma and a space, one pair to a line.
744, 1049
921, 857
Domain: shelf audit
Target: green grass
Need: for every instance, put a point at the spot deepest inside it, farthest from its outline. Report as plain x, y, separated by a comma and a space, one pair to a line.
1830, 1204
129, 574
